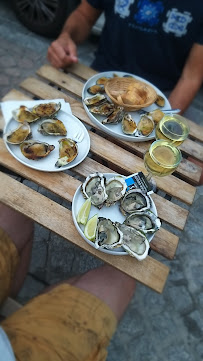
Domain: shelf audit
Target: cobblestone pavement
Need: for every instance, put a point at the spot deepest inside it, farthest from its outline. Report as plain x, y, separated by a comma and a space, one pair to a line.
155, 327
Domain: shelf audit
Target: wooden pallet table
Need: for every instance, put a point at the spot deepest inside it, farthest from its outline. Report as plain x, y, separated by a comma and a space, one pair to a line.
50, 83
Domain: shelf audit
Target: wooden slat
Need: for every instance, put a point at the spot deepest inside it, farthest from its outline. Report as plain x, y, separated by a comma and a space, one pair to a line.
63, 80
57, 182
59, 220
131, 163
196, 131
190, 171
81, 70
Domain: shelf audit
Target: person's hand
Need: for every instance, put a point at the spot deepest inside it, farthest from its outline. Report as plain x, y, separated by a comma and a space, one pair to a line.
62, 52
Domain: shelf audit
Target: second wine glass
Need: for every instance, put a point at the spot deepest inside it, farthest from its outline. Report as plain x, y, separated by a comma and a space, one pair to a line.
174, 128
161, 159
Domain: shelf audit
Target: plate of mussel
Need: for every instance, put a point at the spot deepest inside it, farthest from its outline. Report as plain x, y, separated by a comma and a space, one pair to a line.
123, 105
125, 219
42, 136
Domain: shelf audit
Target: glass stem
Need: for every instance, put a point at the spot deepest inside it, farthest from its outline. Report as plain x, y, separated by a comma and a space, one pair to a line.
148, 176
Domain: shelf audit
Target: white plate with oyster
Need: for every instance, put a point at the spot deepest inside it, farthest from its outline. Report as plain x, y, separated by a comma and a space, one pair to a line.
127, 219
41, 135
114, 120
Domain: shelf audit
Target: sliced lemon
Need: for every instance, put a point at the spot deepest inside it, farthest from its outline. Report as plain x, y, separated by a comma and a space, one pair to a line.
90, 228
84, 212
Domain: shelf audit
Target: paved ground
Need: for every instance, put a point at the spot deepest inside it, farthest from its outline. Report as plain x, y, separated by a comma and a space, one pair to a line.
155, 327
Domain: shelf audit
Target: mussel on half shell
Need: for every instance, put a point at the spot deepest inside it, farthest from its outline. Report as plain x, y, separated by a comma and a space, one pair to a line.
34, 149
95, 89
52, 126
68, 151
19, 135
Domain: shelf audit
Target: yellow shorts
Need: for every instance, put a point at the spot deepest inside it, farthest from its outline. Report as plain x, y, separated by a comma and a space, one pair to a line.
65, 324
9, 259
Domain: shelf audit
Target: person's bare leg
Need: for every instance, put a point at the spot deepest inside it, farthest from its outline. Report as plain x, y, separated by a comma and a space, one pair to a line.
20, 229
107, 283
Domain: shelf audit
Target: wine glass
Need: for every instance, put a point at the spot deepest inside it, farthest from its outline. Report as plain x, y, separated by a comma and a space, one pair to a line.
161, 159
174, 128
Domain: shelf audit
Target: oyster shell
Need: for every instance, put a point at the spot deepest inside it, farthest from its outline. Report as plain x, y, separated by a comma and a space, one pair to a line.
23, 114
94, 187
146, 221
95, 100
103, 109
145, 125
102, 80
19, 135
68, 151
94, 89
34, 149
115, 117
160, 101
52, 126
128, 124
108, 234
46, 110
115, 189
134, 242
134, 201
156, 115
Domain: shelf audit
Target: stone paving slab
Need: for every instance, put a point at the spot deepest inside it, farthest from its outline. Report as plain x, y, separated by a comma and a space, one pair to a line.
155, 327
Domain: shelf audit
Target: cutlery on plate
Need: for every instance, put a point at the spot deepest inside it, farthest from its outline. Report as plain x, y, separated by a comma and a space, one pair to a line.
78, 136
167, 111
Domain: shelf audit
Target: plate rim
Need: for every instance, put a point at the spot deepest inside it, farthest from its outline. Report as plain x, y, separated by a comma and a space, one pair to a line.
103, 127
111, 252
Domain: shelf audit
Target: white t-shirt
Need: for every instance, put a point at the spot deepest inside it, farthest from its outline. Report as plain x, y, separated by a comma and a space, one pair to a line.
6, 351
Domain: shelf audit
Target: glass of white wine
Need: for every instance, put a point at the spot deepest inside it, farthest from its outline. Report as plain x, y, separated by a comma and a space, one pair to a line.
161, 159
174, 128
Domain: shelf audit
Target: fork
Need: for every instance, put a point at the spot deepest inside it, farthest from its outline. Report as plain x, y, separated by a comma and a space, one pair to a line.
167, 111
78, 136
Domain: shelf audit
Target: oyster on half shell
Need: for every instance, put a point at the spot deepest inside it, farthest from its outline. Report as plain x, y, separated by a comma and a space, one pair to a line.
145, 125
94, 187
108, 234
146, 222
95, 100
23, 114
134, 242
115, 117
34, 149
52, 126
46, 110
115, 189
128, 125
68, 151
19, 135
134, 201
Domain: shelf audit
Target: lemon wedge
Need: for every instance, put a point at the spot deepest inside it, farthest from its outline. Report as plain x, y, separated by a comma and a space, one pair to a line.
84, 211
90, 228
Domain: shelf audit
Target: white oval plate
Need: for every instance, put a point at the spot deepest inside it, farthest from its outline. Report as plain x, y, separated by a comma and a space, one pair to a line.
115, 130
112, 213
47, 164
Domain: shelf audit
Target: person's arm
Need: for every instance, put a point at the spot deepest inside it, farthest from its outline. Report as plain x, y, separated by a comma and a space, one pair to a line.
190, 81
63, 51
